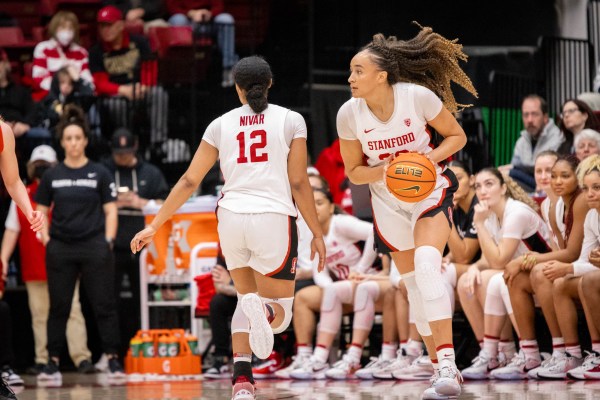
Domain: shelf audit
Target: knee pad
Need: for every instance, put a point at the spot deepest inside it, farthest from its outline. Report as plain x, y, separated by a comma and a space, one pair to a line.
287, 303
428, 276
415, 302
494, 305
506, 297
334, 296
239, 321
337, 292
367, 294
449, 275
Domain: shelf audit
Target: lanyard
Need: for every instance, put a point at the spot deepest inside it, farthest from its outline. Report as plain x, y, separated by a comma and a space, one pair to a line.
133, 179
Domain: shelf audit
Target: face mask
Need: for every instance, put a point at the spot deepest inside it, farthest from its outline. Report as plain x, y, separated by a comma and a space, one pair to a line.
39, 170
65, 36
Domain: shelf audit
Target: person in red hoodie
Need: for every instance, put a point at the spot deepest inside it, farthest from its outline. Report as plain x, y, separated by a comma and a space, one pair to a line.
122, 69
33, 269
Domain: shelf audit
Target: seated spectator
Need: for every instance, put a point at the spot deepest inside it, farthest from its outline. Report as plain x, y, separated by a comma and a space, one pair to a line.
60, 50
16, 105
207, 17
576, 116
116, 62
33, 269
137, 182
147, 13
65, 89
540, 134
222, 307
587, 143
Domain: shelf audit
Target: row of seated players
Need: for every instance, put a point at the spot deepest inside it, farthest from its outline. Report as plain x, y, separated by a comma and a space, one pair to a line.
506, 256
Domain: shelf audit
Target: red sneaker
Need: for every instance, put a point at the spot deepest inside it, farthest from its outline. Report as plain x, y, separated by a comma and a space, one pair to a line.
267, 369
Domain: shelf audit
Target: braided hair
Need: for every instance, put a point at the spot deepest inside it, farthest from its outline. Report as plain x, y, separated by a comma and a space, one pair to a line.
428, 59
253, 75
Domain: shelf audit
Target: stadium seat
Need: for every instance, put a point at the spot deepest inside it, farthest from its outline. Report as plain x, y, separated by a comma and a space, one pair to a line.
26, 12
251, 22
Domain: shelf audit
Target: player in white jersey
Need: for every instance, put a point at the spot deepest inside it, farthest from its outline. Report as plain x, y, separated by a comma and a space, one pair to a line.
507, 226
262, 151
536, 274
388, 116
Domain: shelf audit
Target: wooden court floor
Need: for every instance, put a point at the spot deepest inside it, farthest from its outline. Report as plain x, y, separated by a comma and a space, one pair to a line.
86, 387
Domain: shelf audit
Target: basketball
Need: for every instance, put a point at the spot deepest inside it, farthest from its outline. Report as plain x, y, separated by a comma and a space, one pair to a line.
410, 177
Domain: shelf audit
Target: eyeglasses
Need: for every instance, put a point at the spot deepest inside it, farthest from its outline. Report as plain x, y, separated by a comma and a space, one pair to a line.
569, 111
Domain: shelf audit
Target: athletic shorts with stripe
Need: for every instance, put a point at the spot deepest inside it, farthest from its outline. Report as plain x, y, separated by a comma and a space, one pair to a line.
267, 242
394, 228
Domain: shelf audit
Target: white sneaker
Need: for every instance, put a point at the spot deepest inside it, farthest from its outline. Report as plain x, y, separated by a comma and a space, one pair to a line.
400, 362
421, 369
261, 334
243, 391
481, 366
558, 366
449, 379
102, 364
376, 364
297, 362
517, 369
11, 378
343, 369
313, 369
590, 362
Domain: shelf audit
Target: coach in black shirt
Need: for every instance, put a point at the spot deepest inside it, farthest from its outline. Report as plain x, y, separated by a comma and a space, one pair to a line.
82, 195
137, 183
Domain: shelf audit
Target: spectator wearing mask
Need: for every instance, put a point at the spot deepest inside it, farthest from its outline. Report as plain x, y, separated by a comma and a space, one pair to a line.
60, 50
137, 183
33, 269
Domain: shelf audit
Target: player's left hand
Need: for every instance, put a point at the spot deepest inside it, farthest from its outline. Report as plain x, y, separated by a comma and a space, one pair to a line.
317, 246
142, 238
482, 211
555, 269
37, 221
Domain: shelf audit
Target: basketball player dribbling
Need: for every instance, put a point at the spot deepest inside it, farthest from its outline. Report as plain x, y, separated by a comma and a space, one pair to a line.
15, 187
262, 150
395, 87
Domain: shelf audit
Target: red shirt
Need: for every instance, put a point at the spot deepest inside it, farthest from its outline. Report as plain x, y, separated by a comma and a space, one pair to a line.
31, 250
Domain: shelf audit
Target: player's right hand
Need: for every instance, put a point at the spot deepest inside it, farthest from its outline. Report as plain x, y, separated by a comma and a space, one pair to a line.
317, 246
142, 238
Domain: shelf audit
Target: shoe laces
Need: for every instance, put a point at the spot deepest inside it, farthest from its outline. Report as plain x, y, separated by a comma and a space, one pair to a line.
345, 363
590, 359
517, 361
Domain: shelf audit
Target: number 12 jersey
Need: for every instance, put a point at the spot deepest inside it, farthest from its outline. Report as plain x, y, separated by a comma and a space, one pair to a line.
253, 153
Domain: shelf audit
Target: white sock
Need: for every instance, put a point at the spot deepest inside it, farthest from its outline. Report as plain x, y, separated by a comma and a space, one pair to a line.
388, 350
321, 353
354, 353
558, 346
490, 345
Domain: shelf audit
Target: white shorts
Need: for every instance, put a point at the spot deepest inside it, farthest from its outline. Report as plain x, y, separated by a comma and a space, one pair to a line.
394, 227
267, 242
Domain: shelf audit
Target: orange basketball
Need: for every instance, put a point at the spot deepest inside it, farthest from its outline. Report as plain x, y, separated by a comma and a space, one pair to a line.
411, 177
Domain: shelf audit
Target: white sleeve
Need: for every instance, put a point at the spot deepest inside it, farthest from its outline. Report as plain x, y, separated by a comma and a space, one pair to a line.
427, 104
304, 238
590, 242
517, 224
395, 277
358, 230
212, 135
295, 127
346, 125
12, 220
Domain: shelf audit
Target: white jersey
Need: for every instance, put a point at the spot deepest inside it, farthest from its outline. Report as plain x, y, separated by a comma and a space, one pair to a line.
253, 153
343, 256
405, 131
520, 222
591, 240
559, 215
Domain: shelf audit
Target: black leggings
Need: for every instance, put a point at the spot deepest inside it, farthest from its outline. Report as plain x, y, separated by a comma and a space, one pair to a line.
6, 344
222, 308
92, 262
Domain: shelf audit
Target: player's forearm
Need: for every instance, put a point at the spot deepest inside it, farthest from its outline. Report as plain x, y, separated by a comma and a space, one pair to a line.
18, 193
182, 191
360, 175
